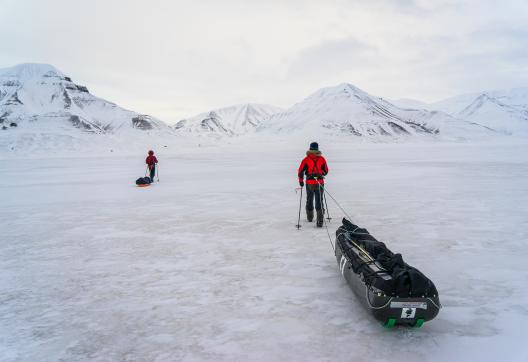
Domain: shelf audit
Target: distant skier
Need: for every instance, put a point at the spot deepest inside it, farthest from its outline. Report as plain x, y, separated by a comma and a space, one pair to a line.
315, 168
151, 162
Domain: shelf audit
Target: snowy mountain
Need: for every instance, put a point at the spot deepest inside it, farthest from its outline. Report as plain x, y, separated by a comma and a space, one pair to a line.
503, 110
409, 103
346, 109
39, 97
40, 108
491, 112
515, 97
234, 120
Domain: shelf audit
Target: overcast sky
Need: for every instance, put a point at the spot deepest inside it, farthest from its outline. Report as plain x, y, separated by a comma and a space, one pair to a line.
176, 58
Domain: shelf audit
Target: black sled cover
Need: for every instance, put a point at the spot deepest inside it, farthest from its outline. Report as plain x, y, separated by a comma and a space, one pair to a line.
394, 291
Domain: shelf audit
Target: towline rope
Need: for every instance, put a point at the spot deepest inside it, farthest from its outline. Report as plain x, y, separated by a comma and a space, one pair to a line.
324, 220
322, 188
337, 203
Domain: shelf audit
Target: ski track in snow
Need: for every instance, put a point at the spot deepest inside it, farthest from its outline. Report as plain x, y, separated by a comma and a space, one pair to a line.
207, 264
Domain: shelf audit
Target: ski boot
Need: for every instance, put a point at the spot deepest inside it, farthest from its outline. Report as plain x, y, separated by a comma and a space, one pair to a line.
319, 218
309, 215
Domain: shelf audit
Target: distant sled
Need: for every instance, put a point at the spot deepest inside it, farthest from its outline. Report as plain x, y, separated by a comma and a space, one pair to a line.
143, 181
392, 291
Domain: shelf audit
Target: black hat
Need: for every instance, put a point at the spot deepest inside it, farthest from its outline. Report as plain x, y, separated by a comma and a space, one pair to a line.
314, 146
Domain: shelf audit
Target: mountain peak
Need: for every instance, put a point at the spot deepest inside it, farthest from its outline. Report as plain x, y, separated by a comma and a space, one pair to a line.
27, 71
342, 88
345, 109
41, 96
349, 87
344, 93
487, 100
233, 120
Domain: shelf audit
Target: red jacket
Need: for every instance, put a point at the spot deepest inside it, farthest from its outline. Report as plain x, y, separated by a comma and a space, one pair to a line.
151, 161
314, 167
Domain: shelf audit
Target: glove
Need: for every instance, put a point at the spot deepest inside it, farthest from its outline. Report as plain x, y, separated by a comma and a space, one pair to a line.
301, 183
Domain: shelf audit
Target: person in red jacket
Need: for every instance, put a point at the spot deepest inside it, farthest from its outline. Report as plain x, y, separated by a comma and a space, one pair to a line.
151, 162
314, 167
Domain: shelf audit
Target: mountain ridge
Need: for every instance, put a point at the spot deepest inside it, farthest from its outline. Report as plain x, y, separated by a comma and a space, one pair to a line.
234, 120
346, 109
42, 96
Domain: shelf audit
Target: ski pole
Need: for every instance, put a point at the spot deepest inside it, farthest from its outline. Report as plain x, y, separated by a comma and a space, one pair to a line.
299, 218
146, 171
326, 205
157, 171
321, 198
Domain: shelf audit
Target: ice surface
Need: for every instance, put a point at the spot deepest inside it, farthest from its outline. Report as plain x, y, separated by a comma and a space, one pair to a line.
207, 264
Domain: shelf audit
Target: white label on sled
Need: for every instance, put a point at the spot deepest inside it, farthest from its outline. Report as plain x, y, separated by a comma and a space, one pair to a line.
408, 313
416, 305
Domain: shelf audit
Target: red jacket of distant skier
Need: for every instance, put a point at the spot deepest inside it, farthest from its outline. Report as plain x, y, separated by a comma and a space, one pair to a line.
151, 160
314, 167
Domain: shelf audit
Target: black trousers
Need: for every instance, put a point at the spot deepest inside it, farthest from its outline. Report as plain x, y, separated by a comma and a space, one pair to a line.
152, 172
313, 193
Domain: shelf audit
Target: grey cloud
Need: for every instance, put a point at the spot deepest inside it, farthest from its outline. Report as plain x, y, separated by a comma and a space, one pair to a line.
333, 57
406, 7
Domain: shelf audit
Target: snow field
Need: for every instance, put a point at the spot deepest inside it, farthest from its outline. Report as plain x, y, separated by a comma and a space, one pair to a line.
207, 264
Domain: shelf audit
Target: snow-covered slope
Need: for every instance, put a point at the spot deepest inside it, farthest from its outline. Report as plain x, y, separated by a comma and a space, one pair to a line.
234, 120
39, 97
409, 103
491, 112
346, 109
515, 97
503, 110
